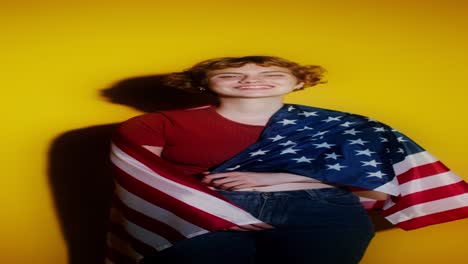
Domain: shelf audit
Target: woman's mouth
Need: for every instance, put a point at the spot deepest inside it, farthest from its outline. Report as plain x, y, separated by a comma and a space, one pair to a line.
248, 87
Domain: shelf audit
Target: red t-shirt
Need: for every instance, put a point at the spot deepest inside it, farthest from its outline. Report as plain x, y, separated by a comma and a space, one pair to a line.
194, 140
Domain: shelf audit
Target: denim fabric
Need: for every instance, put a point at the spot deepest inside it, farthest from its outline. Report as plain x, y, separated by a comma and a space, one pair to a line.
320, 226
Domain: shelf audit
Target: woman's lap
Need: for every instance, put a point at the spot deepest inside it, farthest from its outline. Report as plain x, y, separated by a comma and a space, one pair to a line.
311, 226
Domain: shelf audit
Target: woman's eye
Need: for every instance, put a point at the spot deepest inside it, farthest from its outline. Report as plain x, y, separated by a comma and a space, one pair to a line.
274, 75
228, 76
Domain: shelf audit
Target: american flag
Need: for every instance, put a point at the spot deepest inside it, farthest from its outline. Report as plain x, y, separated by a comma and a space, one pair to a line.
155, 205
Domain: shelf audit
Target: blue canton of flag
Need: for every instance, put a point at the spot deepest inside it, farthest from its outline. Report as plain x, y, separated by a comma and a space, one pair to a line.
330, 146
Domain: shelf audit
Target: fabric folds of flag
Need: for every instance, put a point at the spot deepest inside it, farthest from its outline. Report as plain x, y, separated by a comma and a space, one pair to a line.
155, 205
430, 193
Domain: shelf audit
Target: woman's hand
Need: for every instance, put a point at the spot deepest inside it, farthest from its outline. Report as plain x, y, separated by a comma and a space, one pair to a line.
238, 179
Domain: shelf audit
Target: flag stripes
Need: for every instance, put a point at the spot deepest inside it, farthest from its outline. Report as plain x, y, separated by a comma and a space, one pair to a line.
220, 210
118, 230
151, 211
179, 225
429, 193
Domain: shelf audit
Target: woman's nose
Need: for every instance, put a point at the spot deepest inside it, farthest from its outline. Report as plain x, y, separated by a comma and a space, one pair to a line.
250, 79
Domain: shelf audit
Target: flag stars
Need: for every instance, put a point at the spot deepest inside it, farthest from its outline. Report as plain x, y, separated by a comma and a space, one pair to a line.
382, 139
320, 133
287, 122
351, 132
290, 108
258, 152
330, 119
366, 152
303, 159
233, 168
332, 156
290, 150
276, 138
347, 124
305, 128
324, 145
357, 141
401, 139
287, 143
336, 166
379, 129
400, 150
377, 174
307, 114
372, 163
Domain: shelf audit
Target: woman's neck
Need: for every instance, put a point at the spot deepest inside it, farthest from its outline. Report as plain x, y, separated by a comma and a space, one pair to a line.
254, 111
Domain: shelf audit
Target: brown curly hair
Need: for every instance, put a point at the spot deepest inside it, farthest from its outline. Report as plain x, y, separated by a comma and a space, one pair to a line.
195, 77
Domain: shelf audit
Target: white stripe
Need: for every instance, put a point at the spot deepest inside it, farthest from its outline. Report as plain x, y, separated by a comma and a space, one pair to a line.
412, 161
122, 246
430, 182
428, 208
195, 198
390, 187
389, 203
153, 211
139, 233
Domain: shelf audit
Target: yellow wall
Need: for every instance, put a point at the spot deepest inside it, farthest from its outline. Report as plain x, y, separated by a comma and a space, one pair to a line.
403, 62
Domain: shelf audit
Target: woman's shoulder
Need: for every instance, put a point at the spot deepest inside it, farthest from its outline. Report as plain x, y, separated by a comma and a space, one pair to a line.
328, 115
316, 111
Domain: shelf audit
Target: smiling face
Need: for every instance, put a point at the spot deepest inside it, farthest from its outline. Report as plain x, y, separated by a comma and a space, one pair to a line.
252, 81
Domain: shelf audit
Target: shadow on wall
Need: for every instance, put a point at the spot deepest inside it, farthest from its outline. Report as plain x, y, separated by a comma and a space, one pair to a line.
79, 172
79, 167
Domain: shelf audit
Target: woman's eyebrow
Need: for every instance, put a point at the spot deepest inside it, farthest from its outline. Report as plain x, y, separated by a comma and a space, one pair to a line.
242, 73
227, 73
274, 71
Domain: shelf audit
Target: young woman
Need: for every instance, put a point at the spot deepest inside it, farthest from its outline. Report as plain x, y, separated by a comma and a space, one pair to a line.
252, 179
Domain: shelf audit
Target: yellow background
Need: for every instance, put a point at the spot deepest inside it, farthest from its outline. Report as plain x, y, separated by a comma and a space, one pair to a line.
402, 62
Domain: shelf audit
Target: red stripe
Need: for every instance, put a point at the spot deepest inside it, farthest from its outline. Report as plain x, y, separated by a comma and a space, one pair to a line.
161, 166
422, 171
119, 231
149, 223
183, 210
441, 217
426, 196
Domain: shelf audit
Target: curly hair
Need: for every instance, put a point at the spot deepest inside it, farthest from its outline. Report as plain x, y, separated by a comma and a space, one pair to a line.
195, 77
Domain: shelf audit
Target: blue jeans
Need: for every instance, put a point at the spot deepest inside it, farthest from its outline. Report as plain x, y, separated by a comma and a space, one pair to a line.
325, 226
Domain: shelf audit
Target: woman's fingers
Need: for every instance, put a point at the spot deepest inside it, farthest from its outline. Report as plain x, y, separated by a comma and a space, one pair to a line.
224, 182
210, 178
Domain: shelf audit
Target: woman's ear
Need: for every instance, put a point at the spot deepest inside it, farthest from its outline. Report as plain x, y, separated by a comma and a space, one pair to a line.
299, 86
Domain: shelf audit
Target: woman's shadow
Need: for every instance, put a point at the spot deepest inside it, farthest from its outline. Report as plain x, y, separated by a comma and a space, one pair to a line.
79, 168
79, 172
